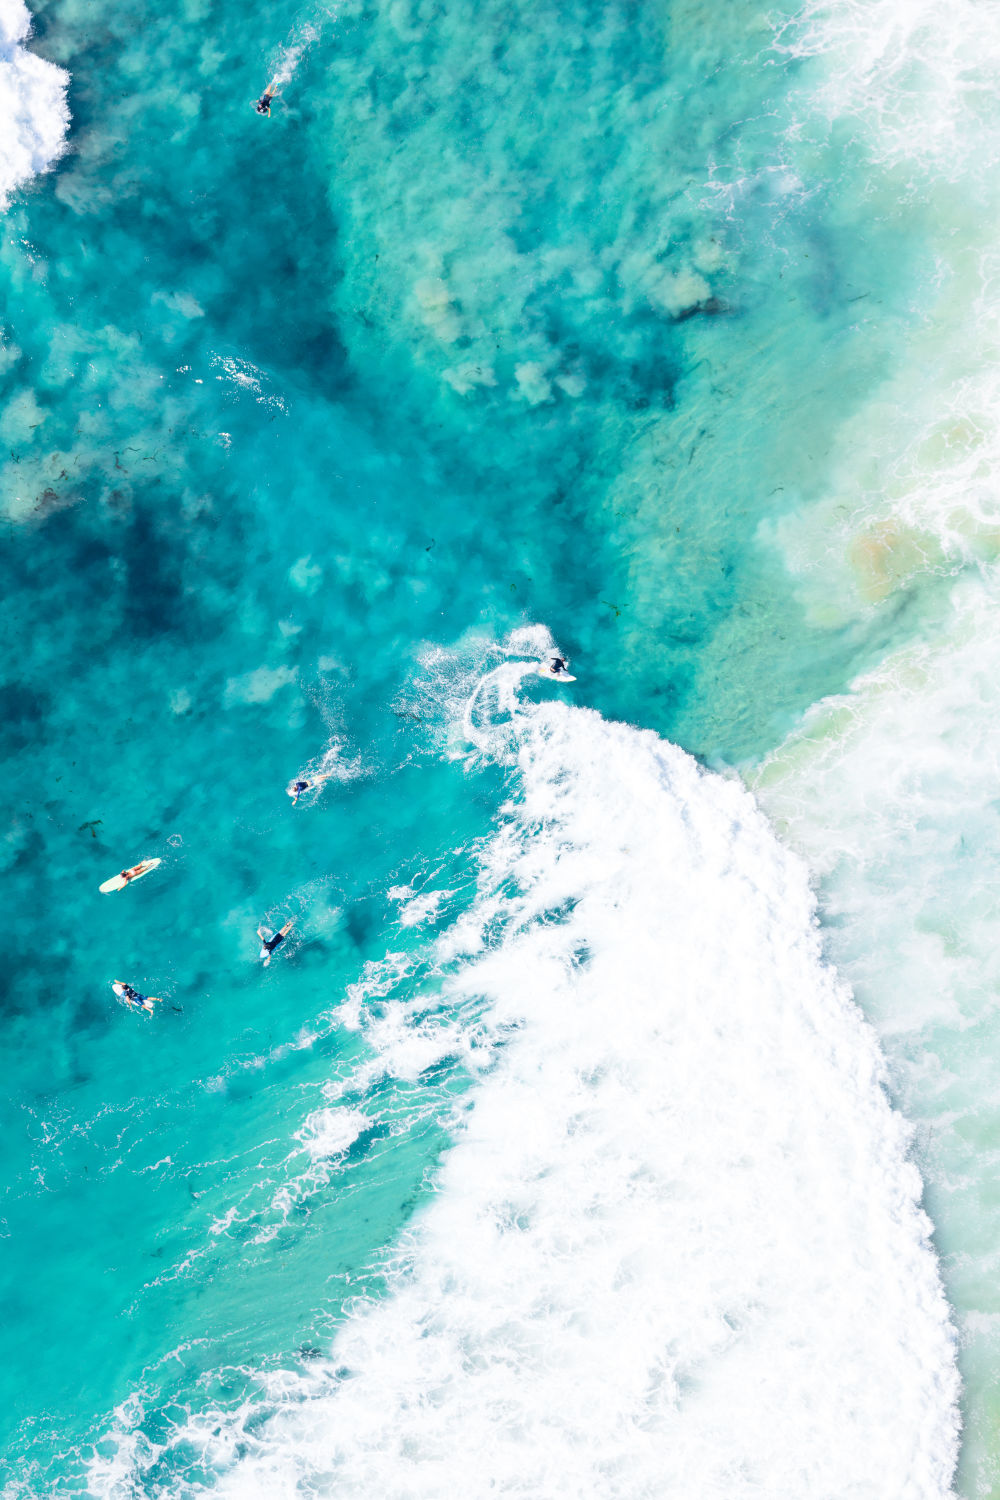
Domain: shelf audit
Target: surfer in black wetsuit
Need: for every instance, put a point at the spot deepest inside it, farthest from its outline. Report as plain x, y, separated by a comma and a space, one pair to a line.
302, 784
263, 105
269, 940
556, 668
133, 998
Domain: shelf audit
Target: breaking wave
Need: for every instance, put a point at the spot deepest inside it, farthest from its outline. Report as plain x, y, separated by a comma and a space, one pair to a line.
32, 102
677, 1247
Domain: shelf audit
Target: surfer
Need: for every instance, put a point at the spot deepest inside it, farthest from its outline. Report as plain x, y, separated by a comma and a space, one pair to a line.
557, 667
269, 940
133, 998
263, 104
125, 877
303, 784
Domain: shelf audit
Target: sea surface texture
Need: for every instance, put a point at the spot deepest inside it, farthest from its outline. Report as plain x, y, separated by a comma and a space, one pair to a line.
621, 1116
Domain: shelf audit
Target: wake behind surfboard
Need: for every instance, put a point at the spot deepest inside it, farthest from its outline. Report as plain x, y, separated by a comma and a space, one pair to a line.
125, 877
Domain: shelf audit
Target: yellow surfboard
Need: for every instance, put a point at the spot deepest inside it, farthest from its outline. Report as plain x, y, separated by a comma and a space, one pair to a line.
126, 877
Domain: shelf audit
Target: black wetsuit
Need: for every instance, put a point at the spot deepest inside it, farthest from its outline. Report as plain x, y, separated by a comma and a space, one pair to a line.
263, 105
273, 942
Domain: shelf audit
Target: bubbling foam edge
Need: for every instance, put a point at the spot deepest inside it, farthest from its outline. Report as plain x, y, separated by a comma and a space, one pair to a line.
32, 102
677, 1246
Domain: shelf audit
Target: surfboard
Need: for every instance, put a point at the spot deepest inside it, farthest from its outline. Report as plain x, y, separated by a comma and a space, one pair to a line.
282, 932
119, 882
556, 676
136, 1000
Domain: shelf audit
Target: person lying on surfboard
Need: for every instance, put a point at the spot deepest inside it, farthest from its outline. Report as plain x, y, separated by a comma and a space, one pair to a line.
302, 784
133, 998
125, 877
269, 940
263, 104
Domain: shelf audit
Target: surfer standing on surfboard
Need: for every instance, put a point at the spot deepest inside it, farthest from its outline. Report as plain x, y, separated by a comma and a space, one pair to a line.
557, 667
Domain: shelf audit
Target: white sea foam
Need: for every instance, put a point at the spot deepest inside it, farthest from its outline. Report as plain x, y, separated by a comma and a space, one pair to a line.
291, 55
244, 376
906, 767
678, 1248
324, 1138
890, 790
416, 908
919, 75
32, 103
329, 1132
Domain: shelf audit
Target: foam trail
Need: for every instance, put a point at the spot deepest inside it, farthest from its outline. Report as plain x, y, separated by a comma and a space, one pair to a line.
32, 104
290, 57
678, 1247
332, 765
495, 694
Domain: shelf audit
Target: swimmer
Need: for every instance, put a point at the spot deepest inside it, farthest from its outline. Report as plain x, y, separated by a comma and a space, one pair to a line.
133, 998
557, 667
263, 104
302, 784
269, 940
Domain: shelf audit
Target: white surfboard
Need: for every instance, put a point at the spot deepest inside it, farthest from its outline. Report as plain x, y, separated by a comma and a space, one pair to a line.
546, 671
135, 1000
126, 877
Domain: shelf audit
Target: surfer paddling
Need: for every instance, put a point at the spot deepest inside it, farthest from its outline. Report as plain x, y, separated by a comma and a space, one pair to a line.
125, 877
302, 784
133, 999
269, 940
263, 104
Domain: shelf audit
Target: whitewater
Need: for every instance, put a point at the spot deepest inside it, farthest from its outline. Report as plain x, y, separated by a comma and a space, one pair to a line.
33, 101
678, 1247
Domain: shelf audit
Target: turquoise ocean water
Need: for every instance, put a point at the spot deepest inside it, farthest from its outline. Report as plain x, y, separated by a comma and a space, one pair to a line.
635, 320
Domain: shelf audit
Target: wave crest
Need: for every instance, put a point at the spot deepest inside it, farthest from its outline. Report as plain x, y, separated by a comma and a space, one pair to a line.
33, 104
678, 1247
